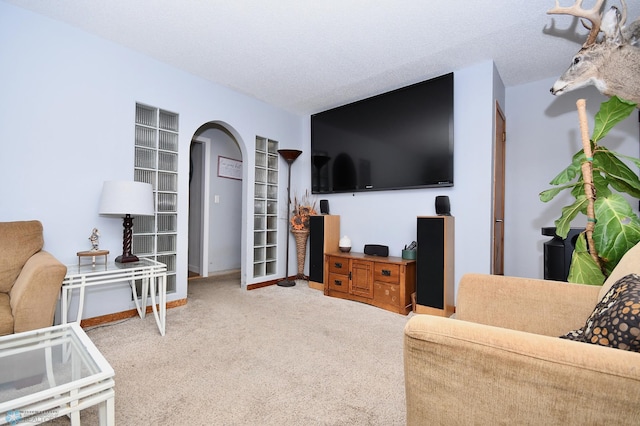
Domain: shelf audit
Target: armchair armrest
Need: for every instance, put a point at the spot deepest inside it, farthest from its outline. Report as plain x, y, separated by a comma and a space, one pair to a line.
34, 295
536, 306
458, 372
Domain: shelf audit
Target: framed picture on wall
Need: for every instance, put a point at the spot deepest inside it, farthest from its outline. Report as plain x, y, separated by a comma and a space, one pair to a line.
229, 168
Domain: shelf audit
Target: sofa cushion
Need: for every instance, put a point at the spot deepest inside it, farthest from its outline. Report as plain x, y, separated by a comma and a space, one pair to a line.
6, 317
18, 242
615, 321
629, 264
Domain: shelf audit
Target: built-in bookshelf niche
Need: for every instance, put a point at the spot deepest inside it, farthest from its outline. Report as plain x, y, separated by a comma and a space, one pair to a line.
265, 208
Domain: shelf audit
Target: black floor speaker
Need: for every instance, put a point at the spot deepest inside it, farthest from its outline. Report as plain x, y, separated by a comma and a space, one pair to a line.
324, 237
435, 285
558, 253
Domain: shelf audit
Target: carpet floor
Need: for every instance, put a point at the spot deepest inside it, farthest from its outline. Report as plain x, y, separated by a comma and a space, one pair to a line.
270, 356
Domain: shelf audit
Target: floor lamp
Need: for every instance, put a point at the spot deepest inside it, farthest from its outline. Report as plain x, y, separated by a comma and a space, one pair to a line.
289, 156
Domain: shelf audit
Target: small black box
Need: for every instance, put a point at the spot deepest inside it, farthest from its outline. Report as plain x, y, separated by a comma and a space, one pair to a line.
376, 250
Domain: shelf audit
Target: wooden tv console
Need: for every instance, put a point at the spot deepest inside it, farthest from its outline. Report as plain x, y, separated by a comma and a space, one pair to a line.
385, 282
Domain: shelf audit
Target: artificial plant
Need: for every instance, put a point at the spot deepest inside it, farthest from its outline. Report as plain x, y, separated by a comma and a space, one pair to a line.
596, 178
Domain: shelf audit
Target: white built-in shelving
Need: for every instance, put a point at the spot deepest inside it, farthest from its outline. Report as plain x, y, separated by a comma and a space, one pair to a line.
265, 213
156, 162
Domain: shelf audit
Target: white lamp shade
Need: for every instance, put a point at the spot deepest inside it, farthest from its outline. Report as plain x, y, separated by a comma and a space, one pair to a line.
120, 198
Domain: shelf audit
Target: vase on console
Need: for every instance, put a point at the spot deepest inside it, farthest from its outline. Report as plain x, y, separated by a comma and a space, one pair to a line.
303, 207
301, 237
345, 244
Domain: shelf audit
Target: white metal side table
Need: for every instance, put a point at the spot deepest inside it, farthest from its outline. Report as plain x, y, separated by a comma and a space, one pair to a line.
67, 374
153, 275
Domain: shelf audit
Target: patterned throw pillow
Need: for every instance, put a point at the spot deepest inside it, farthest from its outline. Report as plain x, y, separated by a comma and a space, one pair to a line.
615, 321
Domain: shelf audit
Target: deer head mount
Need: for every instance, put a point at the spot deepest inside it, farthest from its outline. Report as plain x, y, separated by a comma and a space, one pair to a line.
612, 62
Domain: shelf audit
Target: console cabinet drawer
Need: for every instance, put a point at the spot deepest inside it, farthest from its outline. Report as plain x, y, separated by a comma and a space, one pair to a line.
386, 294
387, 273
339, 282
338, 265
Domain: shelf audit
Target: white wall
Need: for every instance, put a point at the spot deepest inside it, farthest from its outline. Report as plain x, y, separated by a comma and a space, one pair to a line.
542, 136
389, 217
67, 125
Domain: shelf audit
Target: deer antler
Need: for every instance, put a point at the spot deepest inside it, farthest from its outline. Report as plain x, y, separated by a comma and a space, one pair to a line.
592, 15
623, 18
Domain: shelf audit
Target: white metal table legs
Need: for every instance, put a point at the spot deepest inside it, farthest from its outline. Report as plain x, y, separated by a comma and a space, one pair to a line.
149, 286
161, 317
152, 276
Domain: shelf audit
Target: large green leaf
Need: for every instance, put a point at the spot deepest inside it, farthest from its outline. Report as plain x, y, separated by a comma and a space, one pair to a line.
618, 174
617, 229
626, 183
634, 160
611, 113
573, 170
563, 224
583, 268
549, 194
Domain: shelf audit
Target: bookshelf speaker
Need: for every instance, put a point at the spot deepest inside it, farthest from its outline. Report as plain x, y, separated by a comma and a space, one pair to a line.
443, 206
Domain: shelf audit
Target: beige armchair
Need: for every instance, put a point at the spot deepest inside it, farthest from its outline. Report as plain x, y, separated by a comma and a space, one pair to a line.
500, 361
30, 278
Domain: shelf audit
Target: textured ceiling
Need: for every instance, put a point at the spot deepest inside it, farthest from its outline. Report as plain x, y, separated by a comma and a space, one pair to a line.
308, 56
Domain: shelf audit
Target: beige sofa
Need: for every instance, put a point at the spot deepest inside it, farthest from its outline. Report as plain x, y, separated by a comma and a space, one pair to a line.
500, 361
30, 278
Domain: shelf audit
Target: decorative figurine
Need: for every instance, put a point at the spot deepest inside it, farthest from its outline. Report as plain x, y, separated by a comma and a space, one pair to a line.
95, 250
95, 236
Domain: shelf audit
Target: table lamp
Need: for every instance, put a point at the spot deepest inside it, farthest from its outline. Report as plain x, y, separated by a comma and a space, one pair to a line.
126, 199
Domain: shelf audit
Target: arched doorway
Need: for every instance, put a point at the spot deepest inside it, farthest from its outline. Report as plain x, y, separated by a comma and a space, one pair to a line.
215, 201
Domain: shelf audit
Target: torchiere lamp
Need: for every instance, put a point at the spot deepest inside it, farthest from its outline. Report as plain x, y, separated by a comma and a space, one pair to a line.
126, 199
289, 156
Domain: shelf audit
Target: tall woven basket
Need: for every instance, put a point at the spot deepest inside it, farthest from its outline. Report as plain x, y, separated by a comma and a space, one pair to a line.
301, 237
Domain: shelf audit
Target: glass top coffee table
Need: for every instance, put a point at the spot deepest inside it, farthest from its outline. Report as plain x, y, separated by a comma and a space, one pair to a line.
53, 372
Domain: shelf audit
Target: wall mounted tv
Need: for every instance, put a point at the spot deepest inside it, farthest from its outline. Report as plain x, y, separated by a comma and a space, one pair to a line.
397, 140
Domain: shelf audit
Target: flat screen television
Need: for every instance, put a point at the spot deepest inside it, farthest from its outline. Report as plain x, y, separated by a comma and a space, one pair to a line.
397, 140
